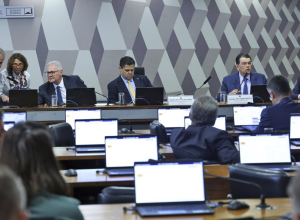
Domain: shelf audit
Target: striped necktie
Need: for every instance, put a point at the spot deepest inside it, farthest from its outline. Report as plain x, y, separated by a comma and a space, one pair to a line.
131, 89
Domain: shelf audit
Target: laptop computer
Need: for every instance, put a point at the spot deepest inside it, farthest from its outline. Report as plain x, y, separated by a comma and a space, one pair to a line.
14, 116
159, 191
8, 125
247, 117
220, 122
270, 151
90, 134
23, 98
172, 117
121, 152
295, 129
260, 93
73, 114
80, 97
149, 95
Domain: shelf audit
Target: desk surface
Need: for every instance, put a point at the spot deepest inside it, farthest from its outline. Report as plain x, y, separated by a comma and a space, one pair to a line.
99, 212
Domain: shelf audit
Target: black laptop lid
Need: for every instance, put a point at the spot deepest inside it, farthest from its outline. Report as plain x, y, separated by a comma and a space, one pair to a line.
149, 95
80, 97
260, 93
23, 98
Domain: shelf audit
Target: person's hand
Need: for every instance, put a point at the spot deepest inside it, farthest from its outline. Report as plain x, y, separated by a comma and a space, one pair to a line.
5, 98
234, 92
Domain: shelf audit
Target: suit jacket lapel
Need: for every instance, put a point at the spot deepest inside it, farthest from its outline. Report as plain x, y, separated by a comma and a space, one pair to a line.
237, 81
66, 82
252, 79
137, 81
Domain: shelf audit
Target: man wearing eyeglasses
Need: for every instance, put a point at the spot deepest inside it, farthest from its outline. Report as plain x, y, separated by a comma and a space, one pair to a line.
57, 84
240, 82
126, 82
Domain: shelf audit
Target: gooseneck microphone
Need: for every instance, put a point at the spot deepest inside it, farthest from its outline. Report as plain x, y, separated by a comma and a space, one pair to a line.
197, 88
11, 79
261, 205
107, 103
246, 74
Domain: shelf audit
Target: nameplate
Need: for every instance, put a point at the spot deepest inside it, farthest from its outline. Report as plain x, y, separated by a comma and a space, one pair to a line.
16, 12
180, 100
239, 99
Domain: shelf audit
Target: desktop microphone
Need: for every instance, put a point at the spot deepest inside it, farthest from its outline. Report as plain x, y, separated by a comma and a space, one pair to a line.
197, 88
261, 205
11, 79
246, 74
107, 104
129, 131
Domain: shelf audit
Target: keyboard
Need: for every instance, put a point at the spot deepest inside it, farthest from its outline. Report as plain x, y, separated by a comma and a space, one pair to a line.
119, 172
89, 149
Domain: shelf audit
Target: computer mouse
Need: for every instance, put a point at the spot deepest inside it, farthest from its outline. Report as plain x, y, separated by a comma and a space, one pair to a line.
236, 205
124, 130
71, 172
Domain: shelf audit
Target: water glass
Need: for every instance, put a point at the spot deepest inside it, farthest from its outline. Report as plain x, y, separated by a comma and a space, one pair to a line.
223, 97
121, 98
54, 100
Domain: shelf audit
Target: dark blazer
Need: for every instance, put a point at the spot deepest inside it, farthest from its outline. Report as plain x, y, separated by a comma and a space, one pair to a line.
278, 116
296, 90
118, 85
206, 142
232, 81
47, 89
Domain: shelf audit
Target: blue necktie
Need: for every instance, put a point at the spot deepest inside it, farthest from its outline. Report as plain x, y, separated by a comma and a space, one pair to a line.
59, 97
245, 91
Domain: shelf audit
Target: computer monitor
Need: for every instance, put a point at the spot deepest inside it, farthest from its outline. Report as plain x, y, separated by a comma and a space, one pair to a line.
173, 117
15, 116
74, 114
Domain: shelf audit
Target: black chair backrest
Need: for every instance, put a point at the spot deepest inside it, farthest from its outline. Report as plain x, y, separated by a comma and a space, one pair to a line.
62, 134
273, 183
139, 70
116, 194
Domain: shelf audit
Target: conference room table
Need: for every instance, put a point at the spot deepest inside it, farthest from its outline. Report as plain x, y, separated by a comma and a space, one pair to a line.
115, 211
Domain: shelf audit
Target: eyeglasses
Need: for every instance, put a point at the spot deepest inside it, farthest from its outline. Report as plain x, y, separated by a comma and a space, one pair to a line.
244, 64
51, 72
18, 64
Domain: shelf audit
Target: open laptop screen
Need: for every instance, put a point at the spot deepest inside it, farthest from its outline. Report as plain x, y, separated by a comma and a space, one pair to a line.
220, 122
73, 114
14, 116
93, 132
169, 182
247, 115
295, 126
264, 148
8, 125
172, 117
136, 149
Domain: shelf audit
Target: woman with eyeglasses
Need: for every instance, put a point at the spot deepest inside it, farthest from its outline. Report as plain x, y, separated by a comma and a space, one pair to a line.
14, 76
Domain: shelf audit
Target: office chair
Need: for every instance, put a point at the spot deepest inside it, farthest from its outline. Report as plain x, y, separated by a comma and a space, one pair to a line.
139, 71
116, 194
62, 134
273, 183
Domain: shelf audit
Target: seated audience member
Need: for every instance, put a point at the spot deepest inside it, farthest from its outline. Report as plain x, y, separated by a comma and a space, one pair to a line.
278, 115
126, 82
294, 193
12, 196
57, 84
201, 138
232, 84
27, 150
16, 70
296, 90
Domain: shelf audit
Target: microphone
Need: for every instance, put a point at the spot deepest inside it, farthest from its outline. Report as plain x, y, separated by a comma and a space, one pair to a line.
11, 79
107, 104
246, 74
261, 205
129, 131
197, 88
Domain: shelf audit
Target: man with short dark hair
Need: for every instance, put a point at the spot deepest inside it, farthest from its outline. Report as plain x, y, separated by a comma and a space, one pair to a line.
12, 196
201, 139
57, 84
240, 82
278, 115
127, 82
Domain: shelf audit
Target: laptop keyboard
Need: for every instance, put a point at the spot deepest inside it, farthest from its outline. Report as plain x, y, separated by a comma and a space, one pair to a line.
125, 171
90, 149
176, 209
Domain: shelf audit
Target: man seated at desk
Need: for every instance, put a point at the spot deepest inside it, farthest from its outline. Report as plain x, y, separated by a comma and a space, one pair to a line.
57, 84
126, 82
241, 81
201, 139
278, 115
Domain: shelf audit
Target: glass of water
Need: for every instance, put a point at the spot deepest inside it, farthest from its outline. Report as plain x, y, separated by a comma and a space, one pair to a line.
54, 100
121, 98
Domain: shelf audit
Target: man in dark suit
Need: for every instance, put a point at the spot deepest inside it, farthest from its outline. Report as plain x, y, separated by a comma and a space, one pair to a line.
127, 82
278, 115
240, 82
201, 139
296, 90
57, 84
